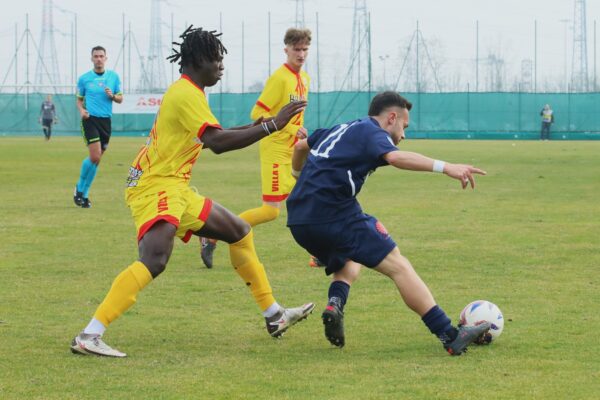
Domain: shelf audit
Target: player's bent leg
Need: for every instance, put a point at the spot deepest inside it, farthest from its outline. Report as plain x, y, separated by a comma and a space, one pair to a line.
155, 249
121, 296
95, 150
413, 290
269, 211
333, 315
223, 225
228, 227
418, 298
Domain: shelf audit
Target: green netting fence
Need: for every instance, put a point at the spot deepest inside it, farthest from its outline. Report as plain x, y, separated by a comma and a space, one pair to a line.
435, 115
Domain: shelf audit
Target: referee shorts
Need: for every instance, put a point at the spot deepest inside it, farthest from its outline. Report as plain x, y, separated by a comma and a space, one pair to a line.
96, 129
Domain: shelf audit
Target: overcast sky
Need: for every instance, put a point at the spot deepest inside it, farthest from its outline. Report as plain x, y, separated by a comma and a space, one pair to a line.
506, 29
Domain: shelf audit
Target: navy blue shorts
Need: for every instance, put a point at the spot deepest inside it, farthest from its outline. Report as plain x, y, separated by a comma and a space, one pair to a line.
360, 238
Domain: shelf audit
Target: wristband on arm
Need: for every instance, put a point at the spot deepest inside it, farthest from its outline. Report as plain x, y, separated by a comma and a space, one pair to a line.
438, 166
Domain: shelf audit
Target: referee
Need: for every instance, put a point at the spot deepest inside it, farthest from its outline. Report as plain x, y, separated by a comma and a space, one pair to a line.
96, 90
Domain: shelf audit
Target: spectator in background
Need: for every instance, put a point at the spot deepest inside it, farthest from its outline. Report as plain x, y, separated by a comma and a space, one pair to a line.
547, 120
48, 116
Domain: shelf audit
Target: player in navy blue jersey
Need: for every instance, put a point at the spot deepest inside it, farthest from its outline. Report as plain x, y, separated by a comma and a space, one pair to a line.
326, 219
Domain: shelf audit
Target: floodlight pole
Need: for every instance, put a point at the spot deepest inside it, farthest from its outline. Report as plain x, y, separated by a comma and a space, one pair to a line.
535, 58
75, 45
566, 22
73, 77
129, 57
172, 40
221, 80
595, 81
27, 61
417, 58
269, 39
123, 45
16, 56
242, 57
477, 56
318, 77
370, 72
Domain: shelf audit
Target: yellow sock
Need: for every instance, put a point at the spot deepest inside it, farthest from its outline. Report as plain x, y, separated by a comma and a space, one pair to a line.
123, 292
246, 264
259, 215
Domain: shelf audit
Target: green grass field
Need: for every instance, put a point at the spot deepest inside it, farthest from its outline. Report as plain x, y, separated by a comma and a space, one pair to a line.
527, 239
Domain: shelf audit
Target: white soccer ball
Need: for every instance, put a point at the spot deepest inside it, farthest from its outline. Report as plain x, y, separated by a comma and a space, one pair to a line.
480, 311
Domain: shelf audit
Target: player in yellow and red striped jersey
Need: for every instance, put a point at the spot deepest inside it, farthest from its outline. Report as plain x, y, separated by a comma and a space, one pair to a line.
164, 206
289, 83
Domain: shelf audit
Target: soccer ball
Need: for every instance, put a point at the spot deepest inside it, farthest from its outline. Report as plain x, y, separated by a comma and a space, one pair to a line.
480, 311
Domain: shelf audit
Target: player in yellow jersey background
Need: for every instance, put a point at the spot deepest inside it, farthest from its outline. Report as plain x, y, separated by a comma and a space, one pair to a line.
289, 83
163, 205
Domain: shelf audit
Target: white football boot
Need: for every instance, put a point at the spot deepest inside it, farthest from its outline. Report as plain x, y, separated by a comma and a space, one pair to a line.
92, 344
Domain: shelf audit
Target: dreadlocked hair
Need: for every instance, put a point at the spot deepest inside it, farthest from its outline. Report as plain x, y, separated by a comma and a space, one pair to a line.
197, 46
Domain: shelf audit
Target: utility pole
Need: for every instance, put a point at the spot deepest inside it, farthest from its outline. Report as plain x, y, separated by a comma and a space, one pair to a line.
243, 58
477, 56
566, 23
535, 60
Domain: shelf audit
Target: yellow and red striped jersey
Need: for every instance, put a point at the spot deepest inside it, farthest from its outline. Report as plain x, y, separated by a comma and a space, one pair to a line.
174, 142
283, 86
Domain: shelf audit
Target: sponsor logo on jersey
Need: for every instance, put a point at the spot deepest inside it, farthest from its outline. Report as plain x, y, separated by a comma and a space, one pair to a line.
134, 176
294, 98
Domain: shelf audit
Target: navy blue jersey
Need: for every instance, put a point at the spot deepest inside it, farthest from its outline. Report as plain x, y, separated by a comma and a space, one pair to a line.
337, 166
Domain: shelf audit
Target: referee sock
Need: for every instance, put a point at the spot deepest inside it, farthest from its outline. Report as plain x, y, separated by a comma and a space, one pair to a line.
85, 168
440, 325
92, 169
123, 292
259, 215
338, 293
246, 264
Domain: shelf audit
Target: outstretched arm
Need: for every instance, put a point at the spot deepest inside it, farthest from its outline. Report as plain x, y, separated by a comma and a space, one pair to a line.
418, 162
222, 140
299, 156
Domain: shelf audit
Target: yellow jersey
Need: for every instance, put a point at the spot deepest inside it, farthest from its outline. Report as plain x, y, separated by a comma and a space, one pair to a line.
174, 142
283, 86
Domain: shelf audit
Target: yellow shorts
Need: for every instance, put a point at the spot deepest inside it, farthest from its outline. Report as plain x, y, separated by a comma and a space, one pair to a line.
179, 205
277, 181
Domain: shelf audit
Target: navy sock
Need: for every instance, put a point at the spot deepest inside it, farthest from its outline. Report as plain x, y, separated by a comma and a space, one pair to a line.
339, 290
440, 325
